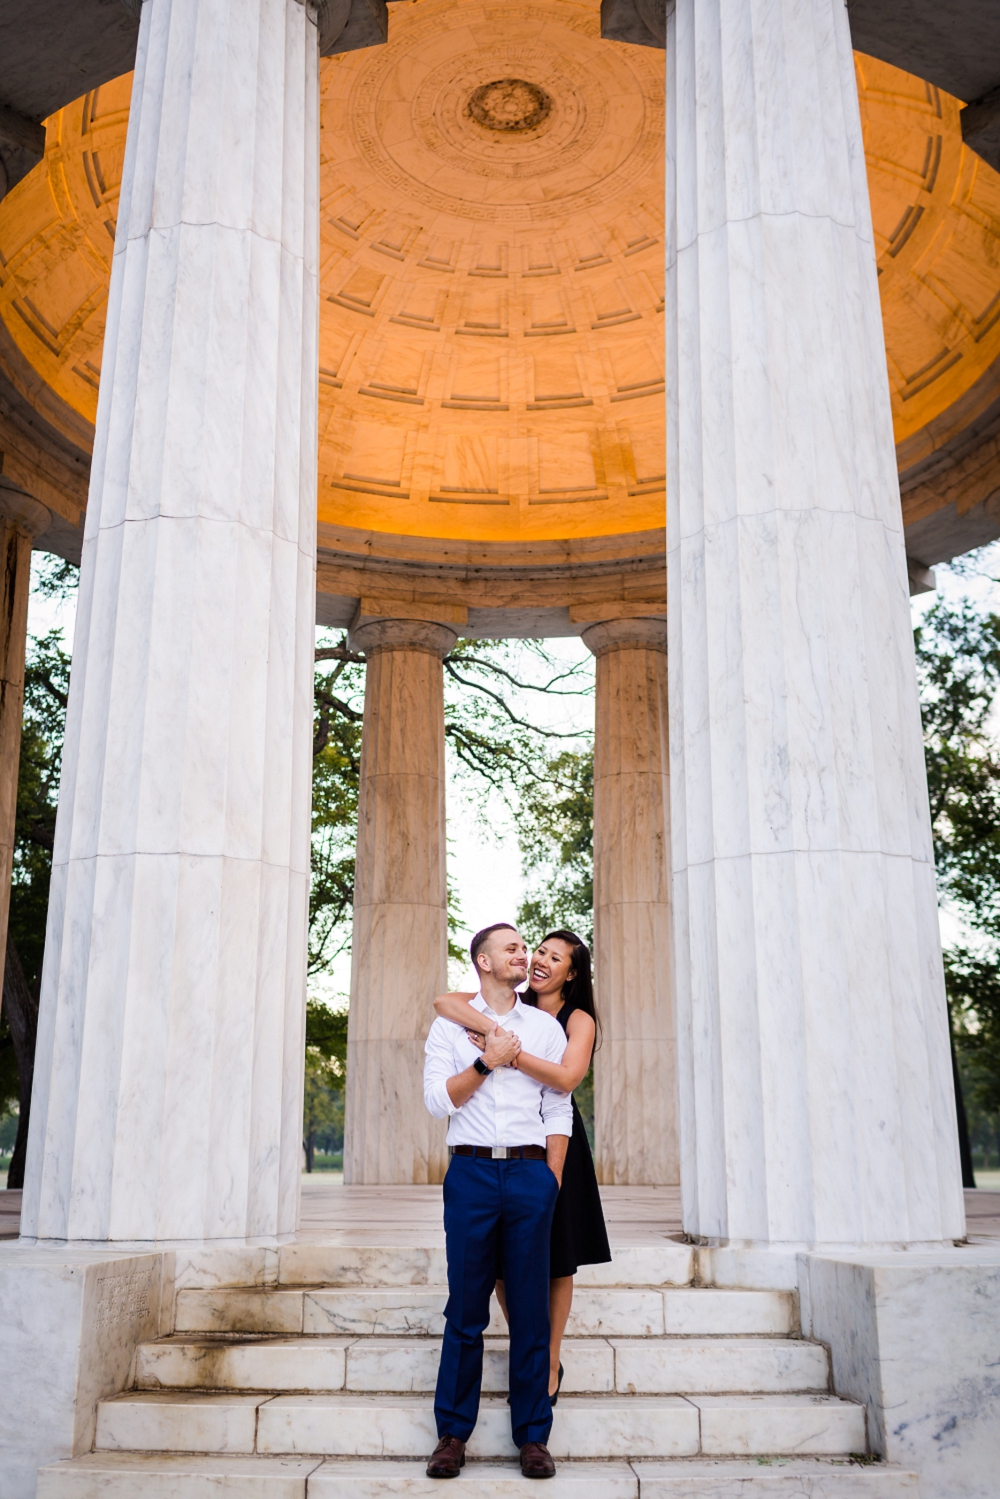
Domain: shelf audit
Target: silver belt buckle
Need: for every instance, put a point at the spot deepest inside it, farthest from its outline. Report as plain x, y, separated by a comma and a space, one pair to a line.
499, 1152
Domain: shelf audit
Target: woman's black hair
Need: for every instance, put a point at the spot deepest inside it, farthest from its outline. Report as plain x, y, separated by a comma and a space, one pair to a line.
578, 992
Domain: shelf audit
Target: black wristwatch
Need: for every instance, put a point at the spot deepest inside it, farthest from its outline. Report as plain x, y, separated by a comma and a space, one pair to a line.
481, 1067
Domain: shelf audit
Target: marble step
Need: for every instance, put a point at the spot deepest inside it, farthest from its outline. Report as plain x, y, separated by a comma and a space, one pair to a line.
114, 1475
593, 1365
419, 1310
609, 1426
397, 1265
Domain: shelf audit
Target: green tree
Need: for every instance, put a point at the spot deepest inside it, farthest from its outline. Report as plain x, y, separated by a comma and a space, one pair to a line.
322, 1100
339, 710
326, 1070
556, 834
958, 662
45, 690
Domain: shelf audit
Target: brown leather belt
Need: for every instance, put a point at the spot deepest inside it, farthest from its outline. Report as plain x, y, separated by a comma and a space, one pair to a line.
500, 1152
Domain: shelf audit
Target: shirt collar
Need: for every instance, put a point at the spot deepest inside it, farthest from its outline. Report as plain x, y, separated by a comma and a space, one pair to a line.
479, 1003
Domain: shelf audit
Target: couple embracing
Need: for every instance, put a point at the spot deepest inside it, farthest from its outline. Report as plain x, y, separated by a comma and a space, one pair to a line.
521, 1205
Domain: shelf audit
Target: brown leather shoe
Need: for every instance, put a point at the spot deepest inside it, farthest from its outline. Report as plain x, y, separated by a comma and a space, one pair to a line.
447, 1458
536, 1461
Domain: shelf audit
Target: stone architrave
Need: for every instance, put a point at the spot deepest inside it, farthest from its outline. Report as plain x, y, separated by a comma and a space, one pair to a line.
635, 1069
21, 520
816, 1097
168, 1079
400, 944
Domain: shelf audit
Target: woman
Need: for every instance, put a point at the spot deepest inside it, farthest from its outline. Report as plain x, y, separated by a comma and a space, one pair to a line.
560, 984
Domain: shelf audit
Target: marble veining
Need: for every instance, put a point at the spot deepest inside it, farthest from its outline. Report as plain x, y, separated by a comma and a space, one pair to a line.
168, 1076
816, 1096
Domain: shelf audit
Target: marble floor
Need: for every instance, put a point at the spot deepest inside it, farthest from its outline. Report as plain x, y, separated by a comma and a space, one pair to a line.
404, 1215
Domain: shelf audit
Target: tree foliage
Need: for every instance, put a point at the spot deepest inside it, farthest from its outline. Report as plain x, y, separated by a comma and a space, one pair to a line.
339, 709
958, 662
556, 831
45, 689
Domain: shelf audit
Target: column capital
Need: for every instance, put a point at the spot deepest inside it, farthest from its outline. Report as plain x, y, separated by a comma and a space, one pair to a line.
626, 634
17, 505
402, 635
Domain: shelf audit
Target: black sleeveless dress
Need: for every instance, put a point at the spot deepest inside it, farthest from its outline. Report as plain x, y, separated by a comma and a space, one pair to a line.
579, 1236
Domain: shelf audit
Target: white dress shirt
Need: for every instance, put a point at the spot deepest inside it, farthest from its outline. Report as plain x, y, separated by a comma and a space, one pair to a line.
508, 1108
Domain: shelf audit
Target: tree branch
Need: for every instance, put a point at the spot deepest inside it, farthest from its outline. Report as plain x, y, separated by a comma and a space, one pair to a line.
488, 692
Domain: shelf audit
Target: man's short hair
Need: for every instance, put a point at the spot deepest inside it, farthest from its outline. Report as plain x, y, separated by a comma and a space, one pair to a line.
480, 940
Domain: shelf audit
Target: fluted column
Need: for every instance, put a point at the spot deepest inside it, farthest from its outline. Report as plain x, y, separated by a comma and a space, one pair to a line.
635, 1083
400, 945
817, 1104
168, 1079
21, 520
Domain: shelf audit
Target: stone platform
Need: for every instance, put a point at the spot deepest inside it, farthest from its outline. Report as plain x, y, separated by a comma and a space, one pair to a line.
306, 1371
634, 1214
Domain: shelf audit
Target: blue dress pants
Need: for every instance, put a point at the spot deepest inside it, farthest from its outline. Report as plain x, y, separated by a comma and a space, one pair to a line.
483, 1200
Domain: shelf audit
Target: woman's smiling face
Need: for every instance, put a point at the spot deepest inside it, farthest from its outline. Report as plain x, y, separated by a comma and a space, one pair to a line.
551, 966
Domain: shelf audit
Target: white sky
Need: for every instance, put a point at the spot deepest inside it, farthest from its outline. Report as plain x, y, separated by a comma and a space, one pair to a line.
483, 858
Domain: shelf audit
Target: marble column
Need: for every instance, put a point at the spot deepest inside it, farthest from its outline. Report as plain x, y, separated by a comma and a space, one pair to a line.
168, 1079
21, 520
817, 1105
635, 1070
399, 953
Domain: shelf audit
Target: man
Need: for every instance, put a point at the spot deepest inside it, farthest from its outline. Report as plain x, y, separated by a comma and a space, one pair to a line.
507, 1139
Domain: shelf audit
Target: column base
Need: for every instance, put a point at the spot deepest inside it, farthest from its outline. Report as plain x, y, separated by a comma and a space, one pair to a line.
913, 1335
70, 1321
71, 1318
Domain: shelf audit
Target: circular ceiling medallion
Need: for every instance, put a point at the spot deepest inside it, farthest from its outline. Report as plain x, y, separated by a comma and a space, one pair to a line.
509, 104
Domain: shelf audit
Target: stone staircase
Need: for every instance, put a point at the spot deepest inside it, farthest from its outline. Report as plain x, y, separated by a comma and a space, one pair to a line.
319, 1382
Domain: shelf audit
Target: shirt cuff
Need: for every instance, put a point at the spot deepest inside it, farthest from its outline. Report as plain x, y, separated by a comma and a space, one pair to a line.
438, 1101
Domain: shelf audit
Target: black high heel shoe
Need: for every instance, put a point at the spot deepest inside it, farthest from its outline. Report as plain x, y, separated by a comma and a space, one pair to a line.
554, 1398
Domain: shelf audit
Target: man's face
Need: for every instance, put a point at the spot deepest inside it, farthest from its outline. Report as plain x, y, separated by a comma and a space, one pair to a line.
506, 956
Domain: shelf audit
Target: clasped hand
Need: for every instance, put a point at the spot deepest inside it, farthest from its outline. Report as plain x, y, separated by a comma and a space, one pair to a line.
499, 1048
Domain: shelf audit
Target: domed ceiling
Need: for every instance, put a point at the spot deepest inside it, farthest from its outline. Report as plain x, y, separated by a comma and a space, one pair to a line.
491, 321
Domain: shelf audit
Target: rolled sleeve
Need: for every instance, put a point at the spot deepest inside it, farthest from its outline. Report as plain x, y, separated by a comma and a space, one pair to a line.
557, 1112
557, 1108
439, 1066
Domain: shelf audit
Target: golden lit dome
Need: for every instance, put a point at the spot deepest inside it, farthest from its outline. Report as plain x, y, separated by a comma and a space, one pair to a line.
491, 329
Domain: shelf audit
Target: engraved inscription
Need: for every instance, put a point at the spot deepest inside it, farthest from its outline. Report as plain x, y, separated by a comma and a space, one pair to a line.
123, 1298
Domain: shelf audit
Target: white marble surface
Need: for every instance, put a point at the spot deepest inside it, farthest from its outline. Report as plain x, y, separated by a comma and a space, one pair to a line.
126, 1475
916, 1338
386, 1425
218, 1266
805, 1424
173, 1421
774, 1478
163, 1476
614, 1311
816, 1096
635, 1068
478, 1480
70, 1322
681, 1366
705, 1309
399, 946
347, 1265
379, 1312
641, 1265
268, 1364
168, 1076
233, 1310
